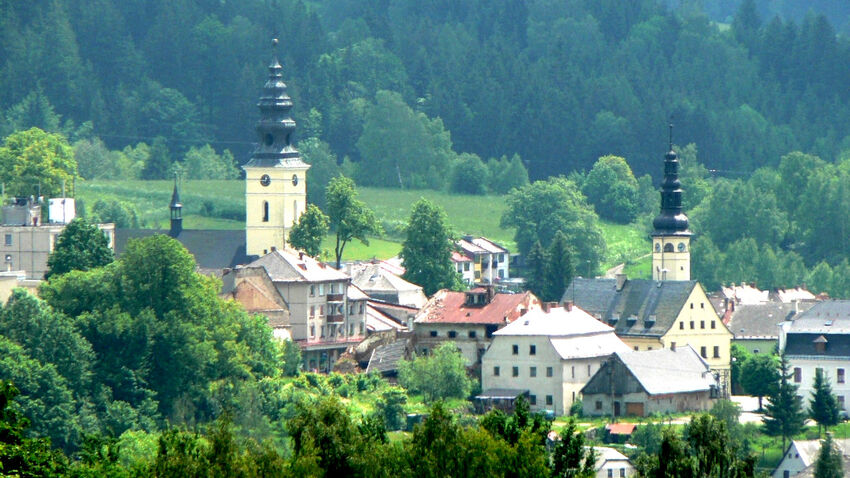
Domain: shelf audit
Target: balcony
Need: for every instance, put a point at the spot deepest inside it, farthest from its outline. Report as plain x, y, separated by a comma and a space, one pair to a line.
335, 297
336, 318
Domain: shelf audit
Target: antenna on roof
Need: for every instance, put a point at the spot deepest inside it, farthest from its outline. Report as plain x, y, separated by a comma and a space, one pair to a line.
671, 132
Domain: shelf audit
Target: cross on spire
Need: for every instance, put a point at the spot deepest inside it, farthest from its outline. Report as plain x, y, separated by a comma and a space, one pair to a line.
671, 135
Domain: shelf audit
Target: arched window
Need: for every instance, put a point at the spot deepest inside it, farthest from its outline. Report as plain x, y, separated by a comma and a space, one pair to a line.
668, 247
265, 211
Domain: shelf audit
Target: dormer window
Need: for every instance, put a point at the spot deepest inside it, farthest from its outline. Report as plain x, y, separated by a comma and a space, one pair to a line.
614, 319
820, 344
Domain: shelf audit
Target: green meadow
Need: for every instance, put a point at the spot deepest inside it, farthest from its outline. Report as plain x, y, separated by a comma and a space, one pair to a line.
215, 204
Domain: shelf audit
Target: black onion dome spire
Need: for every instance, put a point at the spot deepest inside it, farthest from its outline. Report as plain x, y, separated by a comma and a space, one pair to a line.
275, 127
671, 220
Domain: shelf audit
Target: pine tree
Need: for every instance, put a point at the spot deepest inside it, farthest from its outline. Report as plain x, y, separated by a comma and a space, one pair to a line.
784, 414
536, 267
829, 463
823, 406
559, 268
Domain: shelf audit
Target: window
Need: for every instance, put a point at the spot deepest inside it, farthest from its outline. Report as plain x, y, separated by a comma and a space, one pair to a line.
312, 291
312, 311
713, 324
703, 352
798, 375
452, 334
573, 371
496, 371
312, 331
702, 305
361, 307
702, 324
323, 331
622, 473
636, 348
532, 399
265, 211
532, 350
599, 404
692, 306
841, 402
515, 372
471, 334
321, 311
8, 239
321, 289
532, 371
589, 369
549, 400
466, 266
840, 378
716, 352
433, 333
649, 348
610, 473
692, 325
361, 328
548, 371
672, 345
350, 329
515, 349
681, 326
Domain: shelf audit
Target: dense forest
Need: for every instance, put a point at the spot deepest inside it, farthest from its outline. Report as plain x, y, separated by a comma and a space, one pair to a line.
558, 83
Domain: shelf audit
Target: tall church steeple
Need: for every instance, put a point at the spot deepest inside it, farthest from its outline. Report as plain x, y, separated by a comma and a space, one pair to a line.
671, 257
275, 183
176, 212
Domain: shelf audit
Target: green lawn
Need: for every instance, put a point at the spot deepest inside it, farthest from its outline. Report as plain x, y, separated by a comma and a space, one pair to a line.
212, 204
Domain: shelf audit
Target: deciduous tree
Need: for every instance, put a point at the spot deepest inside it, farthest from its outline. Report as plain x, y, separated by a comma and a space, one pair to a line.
307, 234
37, 163
438, 376
350, 218
81, 246
427, 249
759, 375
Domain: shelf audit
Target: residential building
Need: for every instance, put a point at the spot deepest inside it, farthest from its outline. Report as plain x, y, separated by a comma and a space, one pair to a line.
326, 316
653, 381
28, 240
756, 326
819, 338
550, 353
11, 280
649, 315
745, 294
490, 261
463, 266
610, 463
801, 456
468, 319
254, 290
378, 282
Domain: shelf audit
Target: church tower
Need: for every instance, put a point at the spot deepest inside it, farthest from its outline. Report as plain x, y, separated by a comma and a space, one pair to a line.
275, 176
671, 239
176, 208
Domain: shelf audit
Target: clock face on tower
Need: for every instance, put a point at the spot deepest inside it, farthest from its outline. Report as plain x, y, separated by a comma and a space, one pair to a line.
681, 247
657, 247
295, 180
265, 180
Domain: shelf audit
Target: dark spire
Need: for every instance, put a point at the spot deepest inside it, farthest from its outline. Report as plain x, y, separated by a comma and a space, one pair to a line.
176, 211
671, 220
275, 127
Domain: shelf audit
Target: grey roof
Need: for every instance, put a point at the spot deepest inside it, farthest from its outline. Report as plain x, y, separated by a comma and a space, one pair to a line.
292, 266
827, 317
640, 300
212, 249
761, 321
669, 371
373, 278
385, 358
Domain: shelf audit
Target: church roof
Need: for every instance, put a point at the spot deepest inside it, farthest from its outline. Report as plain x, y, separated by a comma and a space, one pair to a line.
212, 249
671, 220
641, 307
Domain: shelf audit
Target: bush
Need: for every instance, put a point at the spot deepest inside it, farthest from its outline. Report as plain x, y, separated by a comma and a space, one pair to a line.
577, 409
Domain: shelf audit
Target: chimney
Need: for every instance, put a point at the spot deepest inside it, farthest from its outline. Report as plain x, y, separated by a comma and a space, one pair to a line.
274, 248
522, 311
300, 256
568, 306
621, 281
673, 346
545, 306
548, 306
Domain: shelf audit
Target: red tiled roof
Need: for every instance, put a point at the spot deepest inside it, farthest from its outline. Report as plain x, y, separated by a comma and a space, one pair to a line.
458, 257
449, 307
620, 428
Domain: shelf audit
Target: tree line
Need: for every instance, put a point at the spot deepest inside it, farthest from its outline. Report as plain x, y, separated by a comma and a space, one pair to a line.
477, 85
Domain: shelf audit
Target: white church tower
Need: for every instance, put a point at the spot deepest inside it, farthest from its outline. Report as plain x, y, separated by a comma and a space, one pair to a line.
671, 239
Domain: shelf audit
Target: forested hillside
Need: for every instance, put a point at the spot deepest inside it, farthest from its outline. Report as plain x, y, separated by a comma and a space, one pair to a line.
560, 83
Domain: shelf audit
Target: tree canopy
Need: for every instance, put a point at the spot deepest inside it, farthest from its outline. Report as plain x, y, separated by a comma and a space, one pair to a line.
37, 163
437, 376
81, 246
427, 249
350, 218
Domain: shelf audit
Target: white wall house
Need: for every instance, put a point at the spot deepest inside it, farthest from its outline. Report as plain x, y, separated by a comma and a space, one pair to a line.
819, 338
610, 463
551, 354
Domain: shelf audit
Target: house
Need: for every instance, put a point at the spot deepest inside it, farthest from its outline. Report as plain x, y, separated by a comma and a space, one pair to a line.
403, 315
796, 294
489, 260
463, 266
378, 282
756, 326
549, 352
802, 454
652, 381
745, 294
468, 319
610, 463
11, 280
819, 338
650, 315
326, 315
28, 239
253, 288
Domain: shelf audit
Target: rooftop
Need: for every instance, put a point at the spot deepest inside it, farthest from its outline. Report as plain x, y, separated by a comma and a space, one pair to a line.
450, 307
292, 266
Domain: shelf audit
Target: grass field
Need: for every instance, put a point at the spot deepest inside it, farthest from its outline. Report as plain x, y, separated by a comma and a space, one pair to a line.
210, 204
